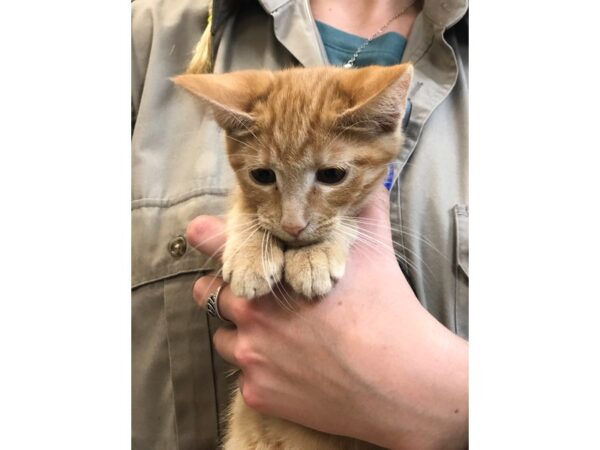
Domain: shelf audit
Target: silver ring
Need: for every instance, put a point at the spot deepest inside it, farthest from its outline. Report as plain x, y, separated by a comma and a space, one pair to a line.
212, 306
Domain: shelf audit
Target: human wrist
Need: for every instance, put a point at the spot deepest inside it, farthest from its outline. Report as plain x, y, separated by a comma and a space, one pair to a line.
424, 406
444, 422
448, 425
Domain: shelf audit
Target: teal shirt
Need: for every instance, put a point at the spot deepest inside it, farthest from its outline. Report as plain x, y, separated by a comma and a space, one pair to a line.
384, 50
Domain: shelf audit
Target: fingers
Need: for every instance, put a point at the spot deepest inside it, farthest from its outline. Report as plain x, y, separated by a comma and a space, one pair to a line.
225, 337
230, 306
224, 341
207, 235
205, 286
375, 217
378, 206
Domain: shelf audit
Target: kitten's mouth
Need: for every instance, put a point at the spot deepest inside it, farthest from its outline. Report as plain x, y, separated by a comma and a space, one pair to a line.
298, 242
293, 241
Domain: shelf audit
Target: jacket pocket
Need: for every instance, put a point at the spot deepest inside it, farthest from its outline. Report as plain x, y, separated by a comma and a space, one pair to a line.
461, 305
159, 246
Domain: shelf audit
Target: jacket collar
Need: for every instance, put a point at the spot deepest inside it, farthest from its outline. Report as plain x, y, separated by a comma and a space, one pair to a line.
295, 28
443, 13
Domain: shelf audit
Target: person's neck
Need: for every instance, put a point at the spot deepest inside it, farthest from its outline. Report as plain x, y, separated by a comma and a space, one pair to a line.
365, 17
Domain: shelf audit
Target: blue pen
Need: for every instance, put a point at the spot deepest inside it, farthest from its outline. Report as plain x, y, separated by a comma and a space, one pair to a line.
392, 168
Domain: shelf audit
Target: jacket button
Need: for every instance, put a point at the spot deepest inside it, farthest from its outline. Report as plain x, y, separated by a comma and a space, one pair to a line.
177, 247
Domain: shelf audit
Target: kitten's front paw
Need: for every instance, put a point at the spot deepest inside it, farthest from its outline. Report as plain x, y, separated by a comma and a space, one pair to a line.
250, 275
312, 271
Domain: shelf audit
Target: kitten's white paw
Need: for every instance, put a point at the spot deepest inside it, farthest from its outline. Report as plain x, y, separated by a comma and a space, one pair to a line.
312, 271
249, 275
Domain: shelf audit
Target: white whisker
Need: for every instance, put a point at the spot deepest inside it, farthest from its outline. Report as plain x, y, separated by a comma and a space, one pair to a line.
384, 248
403, 230
373, 236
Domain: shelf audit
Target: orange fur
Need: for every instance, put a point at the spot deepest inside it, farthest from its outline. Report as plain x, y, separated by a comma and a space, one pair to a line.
295, 122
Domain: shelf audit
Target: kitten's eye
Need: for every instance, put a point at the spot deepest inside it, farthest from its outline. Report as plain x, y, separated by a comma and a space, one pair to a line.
263, 176
331, 175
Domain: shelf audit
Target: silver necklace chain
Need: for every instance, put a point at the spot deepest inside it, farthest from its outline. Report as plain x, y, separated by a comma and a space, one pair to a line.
351, 61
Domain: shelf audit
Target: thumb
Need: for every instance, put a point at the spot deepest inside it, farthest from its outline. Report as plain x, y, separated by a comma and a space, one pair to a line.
374, 220
207, 235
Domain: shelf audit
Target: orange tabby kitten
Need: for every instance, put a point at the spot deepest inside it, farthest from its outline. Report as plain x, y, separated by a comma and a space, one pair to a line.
308, 146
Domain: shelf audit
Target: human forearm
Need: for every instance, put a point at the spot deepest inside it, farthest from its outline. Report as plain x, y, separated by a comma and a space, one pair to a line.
420, 402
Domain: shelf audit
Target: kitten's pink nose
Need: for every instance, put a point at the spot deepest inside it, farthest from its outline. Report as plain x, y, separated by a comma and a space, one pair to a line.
293, 228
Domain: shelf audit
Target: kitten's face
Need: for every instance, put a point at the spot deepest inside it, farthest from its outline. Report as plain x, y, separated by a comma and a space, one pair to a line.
307, 145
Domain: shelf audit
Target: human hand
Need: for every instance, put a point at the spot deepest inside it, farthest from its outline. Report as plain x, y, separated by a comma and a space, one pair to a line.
367, 361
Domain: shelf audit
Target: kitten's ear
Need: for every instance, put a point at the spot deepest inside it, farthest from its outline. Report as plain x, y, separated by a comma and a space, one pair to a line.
377, 97
231, 95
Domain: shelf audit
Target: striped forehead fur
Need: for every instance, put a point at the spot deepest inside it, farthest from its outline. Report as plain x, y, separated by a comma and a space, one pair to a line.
297, 121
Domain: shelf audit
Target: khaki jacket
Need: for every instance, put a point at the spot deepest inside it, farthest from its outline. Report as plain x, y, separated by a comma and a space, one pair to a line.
180, 171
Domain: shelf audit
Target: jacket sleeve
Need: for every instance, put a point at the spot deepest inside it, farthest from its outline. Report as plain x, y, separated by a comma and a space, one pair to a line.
154, 22
141, 43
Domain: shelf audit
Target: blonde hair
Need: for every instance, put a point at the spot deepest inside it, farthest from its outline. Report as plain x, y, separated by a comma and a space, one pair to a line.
201, 61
